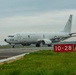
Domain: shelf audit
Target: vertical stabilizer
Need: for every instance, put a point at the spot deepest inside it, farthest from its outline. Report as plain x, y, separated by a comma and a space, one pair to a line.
67, 27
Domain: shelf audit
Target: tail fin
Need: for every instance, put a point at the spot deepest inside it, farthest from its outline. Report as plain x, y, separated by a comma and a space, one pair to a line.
67, 27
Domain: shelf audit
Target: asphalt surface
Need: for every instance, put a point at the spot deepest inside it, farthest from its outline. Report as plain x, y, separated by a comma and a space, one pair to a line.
6, 53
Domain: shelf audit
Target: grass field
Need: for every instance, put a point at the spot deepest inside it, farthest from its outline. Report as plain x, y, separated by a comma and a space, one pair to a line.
44, 62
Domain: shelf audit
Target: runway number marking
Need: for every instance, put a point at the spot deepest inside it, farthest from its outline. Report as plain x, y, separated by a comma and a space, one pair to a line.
63, 47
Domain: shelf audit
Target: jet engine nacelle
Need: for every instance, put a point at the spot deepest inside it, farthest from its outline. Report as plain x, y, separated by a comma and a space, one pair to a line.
46, 41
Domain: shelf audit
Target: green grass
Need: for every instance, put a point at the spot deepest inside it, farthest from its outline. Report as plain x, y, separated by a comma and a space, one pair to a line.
44, 62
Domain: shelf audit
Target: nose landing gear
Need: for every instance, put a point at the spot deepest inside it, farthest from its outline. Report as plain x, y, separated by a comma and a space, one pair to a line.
13, 46
5, 40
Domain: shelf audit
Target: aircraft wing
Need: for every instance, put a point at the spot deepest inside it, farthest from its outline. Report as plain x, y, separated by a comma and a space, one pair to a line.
73, 34
58, 39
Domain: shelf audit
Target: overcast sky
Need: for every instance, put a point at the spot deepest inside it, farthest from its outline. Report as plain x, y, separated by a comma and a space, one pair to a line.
35, 16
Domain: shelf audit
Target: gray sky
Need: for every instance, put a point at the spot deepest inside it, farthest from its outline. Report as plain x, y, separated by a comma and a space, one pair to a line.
35, 16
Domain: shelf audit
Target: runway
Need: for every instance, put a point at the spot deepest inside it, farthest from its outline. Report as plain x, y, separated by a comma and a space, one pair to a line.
6, 53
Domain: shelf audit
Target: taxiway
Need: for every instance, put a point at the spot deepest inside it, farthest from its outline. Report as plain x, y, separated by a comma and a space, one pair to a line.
6, 53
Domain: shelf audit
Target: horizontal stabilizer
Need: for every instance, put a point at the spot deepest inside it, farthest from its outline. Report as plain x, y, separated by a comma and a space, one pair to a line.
73, 34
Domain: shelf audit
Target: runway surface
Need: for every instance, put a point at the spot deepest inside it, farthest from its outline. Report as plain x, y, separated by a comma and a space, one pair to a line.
6, 53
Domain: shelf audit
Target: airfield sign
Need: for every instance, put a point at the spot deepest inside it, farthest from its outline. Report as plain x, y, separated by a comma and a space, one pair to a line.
63, 47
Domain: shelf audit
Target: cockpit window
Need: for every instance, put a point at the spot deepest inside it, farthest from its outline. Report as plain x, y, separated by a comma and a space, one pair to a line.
10, 36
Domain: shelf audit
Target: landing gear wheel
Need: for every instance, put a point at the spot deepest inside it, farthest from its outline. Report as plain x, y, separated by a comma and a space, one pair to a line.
49, 45
13, 46
37, 45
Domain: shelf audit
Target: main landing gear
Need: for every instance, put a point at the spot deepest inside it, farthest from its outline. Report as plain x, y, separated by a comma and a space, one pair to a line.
50, 45
37, 45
